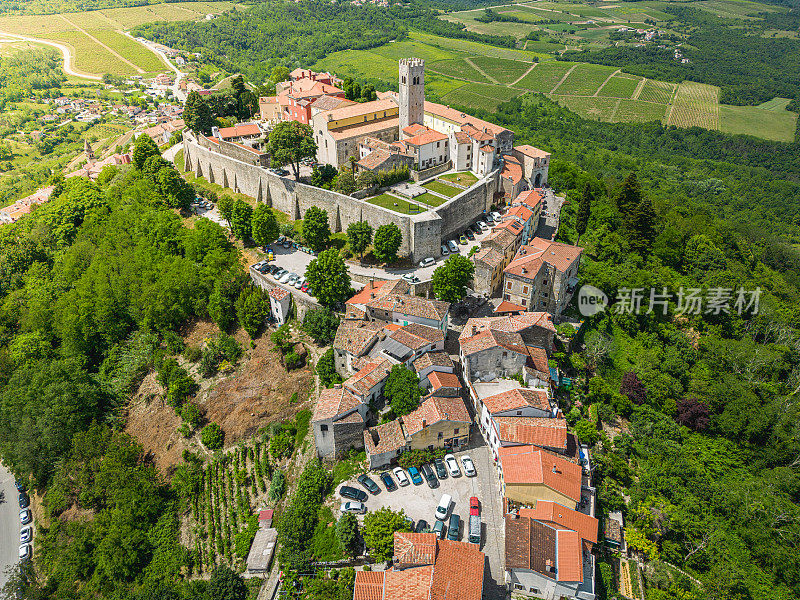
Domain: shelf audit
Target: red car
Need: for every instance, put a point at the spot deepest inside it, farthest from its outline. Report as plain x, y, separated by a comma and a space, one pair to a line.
474, 507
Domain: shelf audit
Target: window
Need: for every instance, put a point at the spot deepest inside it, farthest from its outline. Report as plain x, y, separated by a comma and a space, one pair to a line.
544, 282
505, 354
440, 436
524, 289
524, 302
508, 285
323, 428
404, 78
545, 294
519, 413
506, 297
438, 144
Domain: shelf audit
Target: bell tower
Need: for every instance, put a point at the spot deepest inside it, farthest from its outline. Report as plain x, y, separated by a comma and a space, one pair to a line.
412, 91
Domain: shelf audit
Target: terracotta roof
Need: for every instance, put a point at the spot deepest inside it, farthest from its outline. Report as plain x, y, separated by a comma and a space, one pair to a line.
433, 359
239, 130
366, 292
528, 150
491, 338
517, 323
331, 102
477, 133
362, 129
511, 169
501, 239
458, 572
416, 336
539, 359
569, 562
508, 307
538, 431
529, 198
278, 293
440, 380
368, 377
357, 337
415, 129
387, 437
531, 257
516, 399
427, 137
487, 149
530, 465
433, 410
530, 545
334, 402
369, 585
488, 256
462, 137
363, 108
521, 212
414, 548
512, 225
375, 159
563, 517
461, 118
407, 304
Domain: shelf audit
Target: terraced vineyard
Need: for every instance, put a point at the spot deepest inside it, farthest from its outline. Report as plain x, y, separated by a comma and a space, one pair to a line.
695, 104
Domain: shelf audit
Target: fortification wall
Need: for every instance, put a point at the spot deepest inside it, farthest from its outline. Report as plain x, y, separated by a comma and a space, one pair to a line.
422, 233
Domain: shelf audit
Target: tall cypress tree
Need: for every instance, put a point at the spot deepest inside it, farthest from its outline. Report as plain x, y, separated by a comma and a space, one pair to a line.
197, 115
584, 211
643, 226
628, 197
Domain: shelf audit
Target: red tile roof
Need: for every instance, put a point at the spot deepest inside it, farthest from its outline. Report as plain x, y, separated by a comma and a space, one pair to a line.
563, 517
357, 337
414, 549
366, 292
247, 129
508, 307
428, 137
538, 431
516, 399
334, 402
440, 380
433, 410
409, 584
490, 338
372, 374
433, 359
461, 118
516, 323
569, 562
407, 304
521, 211
279, 293
528, 198
415, 129
387, 437
512, 170
416, 336
531, 257
530, 465
458, 572
369, 585
528, 150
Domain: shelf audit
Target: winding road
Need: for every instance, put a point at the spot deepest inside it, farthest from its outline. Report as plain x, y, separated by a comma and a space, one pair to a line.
65, 51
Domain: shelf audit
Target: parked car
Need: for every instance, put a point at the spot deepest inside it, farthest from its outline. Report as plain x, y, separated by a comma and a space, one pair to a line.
293, 277
353, 507
402, 478
278, 273
469, 466
280, 240
411, 278
438, 528
474, 506
462, 240
304, 287
285, 277
25, 516
20, 485
415, 476
25, 534
24, 500
24, 551
388, 481
270, 255
353, 493
445, 251
474, 529
453, 246
475, 228
430, 477
444, 507
287, 244
483, 226
299, 283
427, 262
441, 470
452, 465
452, 530
488, 218
368, 484
469, 234
497, 216
422, 526
310, 291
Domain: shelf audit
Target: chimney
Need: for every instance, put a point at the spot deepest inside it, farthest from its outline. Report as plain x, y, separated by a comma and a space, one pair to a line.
337, 386
555, 469
372, 294
424, 423
474, 329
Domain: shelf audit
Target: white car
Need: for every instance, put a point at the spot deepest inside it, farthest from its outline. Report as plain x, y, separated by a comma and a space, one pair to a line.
299, 283
483, 225
353, 507
25, 535
497, 216
453, 245
427, 262
24, 551
25, 516
401, 476
452, 465
469, 466
445, 251
285, 277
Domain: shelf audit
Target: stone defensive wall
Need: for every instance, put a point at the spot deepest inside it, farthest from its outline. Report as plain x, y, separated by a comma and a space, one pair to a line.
422, 233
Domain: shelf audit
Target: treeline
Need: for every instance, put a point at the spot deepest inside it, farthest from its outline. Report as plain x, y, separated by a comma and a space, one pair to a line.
49, 7
292, 34
749, 68
27, 70
490, 16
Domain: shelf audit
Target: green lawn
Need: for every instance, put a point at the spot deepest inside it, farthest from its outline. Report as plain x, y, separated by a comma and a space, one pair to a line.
442, 188
396, 204
430, 199
465, 178
324, 545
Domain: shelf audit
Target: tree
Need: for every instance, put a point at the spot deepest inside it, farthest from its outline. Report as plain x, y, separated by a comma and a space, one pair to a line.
289, 143
387, 242
265, 225
359, 235
345, 182
378, 531
143, 149
584, 211
225, 207
586, 432
177, 193
212, 436
279, 74
316, 231
225, 584
347, 533
643, 226
253, 309
693, 413
327, 275
326, 369
633, 388
402, 390
197, 114
628, 196
222, 302
323, 175
450, 279
321, 325
242, 220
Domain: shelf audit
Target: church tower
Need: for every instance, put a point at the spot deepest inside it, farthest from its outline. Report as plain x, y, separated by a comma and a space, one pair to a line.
412, 91
89, 152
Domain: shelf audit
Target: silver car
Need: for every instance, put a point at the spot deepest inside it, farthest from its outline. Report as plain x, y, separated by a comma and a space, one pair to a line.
453, 245
25, 535
445, 251
469, 466
452, 465
353, 507
286, 277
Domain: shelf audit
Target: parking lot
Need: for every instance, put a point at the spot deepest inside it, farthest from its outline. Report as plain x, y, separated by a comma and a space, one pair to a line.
420, 501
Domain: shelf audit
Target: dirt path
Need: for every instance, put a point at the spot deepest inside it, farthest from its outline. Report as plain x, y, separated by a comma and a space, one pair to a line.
605, 82
564, 78
66, 52
481, 71
111, 50
521, 77
639, 89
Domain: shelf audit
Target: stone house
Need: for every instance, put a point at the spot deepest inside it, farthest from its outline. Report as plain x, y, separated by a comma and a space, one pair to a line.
529, 474
444, 384
438, 423
430, 362
407, 343
384, 443
543, 276
338, 422
280, 302
355, 340
535, 164
496, 252
368, 382
405, 309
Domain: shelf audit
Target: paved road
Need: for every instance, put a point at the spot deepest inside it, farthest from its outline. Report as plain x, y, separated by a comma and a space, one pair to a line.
9, 525
548, 223
65, 51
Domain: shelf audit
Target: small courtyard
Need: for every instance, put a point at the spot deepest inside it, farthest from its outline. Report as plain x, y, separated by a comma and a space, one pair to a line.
410, 198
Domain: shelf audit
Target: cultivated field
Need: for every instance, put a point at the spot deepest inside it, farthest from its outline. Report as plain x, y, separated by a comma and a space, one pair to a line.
96, 37
695, 104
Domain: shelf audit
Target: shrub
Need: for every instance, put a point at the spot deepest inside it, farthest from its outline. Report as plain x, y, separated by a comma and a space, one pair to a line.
293, 360
417, 458
191, 414
321, 325
276, 487
282, 445
326, 369
192, 354
212, 436
222, 347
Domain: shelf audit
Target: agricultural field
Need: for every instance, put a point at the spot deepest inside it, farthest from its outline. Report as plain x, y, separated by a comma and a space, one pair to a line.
484, 96
545, 76
631, 111
695, 104
584, 80
620, 86
779, 125
657, 91
502, 70
96, 38
598, 109
458, 68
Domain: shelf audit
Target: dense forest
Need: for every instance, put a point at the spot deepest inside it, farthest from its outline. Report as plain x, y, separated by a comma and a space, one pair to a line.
49, 7
292, 34
732, 54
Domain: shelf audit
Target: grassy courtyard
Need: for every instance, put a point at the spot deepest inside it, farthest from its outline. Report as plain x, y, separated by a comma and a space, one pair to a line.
396, 204
464, 178
442, 188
